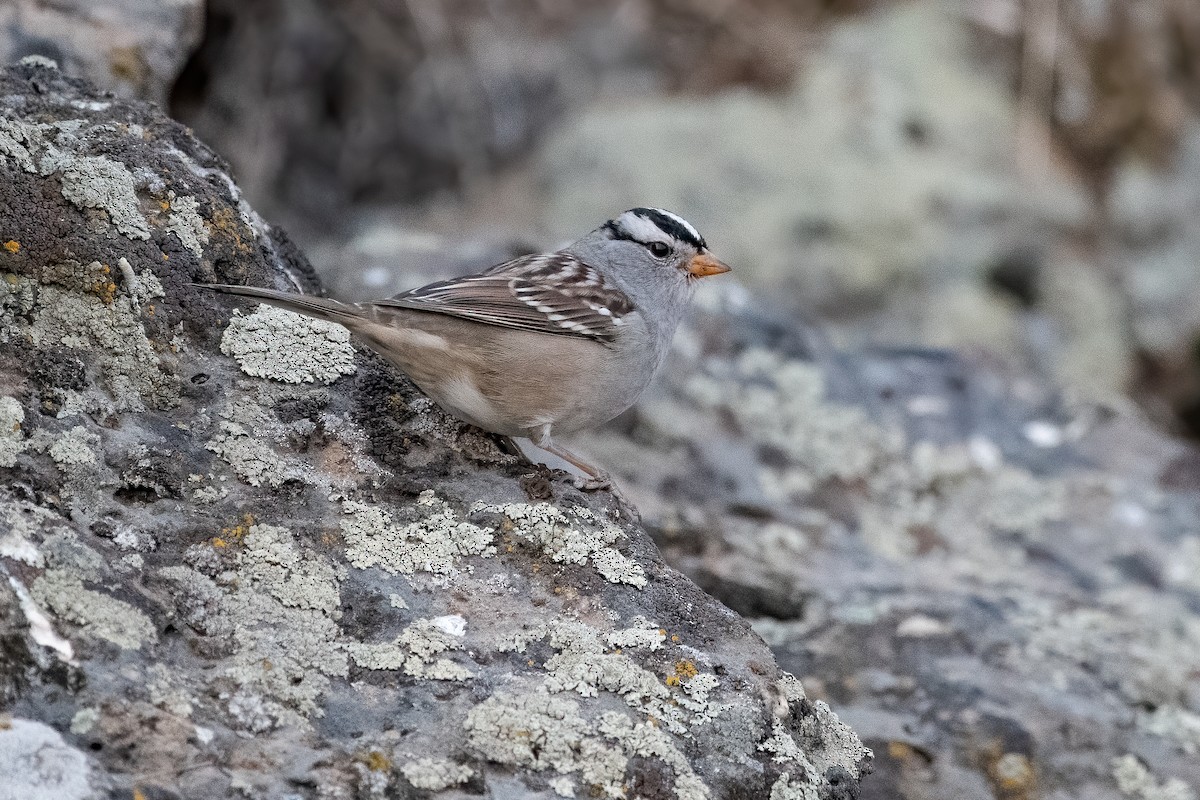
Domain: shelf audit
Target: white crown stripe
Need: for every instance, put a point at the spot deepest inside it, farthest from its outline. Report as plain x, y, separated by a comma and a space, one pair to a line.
683, 223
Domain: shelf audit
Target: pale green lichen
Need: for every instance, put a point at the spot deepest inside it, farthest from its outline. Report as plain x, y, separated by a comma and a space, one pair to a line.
435, 774
649, 741
186, 223
12, 438
167, 693
275, 609
129, 364
784, 789
292, 348
84, 720
251, 458
1174, 723
271, 558
61, 592
562, 786
433, 544
781, 403
644, 635
586, 538
540, 732
99, 182
77, 446
1134, 780
96, 182
416, 652
543, 732
586, 665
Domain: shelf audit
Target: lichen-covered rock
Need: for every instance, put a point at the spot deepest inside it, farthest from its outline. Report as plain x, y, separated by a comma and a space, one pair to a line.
997, 588
230, 575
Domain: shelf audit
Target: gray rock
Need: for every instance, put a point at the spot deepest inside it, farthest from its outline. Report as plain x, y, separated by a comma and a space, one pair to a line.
232, 575
135, 48
38, 765
997, 587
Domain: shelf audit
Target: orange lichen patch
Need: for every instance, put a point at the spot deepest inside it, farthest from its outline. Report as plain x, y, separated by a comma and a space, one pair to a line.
674, 638
12, 246
684, 671
376, 761
234, 534
164, 205
138, 794
226, 225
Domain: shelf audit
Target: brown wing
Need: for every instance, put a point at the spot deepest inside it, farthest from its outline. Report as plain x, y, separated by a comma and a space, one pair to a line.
547, 293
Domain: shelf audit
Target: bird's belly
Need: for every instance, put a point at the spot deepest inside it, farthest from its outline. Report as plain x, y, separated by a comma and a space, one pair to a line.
462, 398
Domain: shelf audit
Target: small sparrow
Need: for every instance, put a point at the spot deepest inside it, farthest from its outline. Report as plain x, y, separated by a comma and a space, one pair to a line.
544, 344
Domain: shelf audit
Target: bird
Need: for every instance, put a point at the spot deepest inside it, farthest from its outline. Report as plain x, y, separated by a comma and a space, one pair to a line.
542, 345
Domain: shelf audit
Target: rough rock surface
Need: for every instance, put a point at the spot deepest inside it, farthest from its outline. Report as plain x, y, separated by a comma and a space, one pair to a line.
999, 590
228, 576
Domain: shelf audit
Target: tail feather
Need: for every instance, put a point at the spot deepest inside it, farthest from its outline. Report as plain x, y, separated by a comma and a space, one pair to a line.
319, 307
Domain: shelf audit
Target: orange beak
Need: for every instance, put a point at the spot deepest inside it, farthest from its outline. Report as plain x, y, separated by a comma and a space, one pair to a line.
704, 264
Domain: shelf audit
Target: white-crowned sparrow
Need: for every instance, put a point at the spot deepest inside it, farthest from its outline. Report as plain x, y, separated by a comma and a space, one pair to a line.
543, 344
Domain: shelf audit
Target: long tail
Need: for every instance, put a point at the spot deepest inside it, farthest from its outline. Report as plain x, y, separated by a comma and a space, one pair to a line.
318, 307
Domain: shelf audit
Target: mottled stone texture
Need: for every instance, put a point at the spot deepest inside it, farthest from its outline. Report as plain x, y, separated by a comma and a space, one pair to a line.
997, 587
228, 576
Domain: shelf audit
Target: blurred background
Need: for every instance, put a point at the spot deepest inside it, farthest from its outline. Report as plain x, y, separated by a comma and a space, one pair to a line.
1015, 178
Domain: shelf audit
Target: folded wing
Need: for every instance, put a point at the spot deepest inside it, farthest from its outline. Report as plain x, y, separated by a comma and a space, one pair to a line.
552, 293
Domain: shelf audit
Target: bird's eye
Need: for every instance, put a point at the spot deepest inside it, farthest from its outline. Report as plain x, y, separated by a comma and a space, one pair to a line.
659, 250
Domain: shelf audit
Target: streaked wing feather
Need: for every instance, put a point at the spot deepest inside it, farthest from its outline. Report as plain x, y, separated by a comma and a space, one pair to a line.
546, 293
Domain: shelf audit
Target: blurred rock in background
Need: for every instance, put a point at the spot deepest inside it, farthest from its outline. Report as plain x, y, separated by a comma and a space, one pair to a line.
135, 48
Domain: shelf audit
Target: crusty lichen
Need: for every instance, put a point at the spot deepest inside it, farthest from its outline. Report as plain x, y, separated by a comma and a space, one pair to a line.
96, 182
292, 348
416, 652
129, 363
186, 223
1134, 780
276, 609
75, 447
577, 541
433, 544
99, 182
12, 438
271, 559
62, 593
781, 403
541, 731
435, 774
251, 458
784, 789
